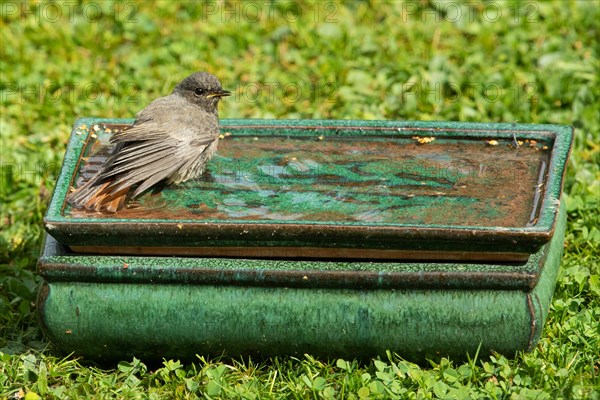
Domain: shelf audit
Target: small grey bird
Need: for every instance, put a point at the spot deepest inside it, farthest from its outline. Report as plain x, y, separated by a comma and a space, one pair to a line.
170, 142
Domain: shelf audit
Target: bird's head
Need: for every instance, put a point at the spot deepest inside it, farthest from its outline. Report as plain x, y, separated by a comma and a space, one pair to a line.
202, 89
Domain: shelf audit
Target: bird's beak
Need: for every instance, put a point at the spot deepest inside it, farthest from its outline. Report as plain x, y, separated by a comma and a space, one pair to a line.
221, 93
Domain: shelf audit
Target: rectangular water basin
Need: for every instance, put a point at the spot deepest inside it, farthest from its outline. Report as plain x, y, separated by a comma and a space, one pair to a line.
330, 189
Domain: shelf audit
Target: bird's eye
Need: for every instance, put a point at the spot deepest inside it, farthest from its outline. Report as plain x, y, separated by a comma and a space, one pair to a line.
198, 92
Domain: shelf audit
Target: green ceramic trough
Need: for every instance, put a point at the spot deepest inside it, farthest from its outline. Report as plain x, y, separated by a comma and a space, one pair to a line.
341, 238
335, 189
110, 307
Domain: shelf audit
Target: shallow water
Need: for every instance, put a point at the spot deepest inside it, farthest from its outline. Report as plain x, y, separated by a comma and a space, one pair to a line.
369, 180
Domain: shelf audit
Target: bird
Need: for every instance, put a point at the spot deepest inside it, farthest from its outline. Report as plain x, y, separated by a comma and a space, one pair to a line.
170, 142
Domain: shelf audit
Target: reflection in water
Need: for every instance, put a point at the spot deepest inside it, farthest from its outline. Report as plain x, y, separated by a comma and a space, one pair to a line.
368, 180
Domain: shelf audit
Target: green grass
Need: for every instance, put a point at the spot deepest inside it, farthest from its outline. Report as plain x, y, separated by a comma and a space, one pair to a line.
532, 62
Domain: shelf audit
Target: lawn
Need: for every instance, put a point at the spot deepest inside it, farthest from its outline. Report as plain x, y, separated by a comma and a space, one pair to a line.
500, 61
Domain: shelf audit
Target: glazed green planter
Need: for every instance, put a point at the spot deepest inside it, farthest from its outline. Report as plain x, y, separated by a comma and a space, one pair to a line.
109, 307
340, 238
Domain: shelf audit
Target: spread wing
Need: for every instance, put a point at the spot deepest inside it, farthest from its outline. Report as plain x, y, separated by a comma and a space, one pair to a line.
168, 135
170, 141
150, 161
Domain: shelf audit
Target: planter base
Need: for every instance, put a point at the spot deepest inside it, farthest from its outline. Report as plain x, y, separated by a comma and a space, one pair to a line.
110, 307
